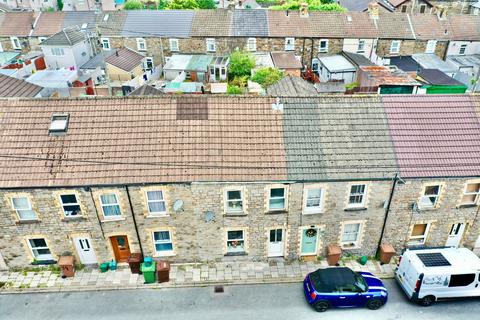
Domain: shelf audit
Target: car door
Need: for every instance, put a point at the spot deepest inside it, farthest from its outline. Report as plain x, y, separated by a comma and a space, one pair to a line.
346, 297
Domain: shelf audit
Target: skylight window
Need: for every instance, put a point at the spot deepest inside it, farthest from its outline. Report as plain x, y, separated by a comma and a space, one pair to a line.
84, 26
58, 124
105, 17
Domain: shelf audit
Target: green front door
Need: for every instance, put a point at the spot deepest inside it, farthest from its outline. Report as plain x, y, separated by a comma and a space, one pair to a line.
309, 241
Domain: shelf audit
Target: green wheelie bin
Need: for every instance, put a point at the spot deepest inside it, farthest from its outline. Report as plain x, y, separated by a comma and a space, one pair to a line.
148, 268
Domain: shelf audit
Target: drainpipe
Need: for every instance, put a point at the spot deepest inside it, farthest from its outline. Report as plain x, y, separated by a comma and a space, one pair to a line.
96, 211
387, 211
134, 220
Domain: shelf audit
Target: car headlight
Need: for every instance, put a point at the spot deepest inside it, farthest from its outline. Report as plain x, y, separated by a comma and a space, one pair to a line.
383, 293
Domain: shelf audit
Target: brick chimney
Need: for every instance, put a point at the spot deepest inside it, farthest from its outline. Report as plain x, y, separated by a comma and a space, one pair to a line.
374, 10
304, 10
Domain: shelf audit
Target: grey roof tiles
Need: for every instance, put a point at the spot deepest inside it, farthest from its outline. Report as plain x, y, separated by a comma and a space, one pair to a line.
168, 23
246, 23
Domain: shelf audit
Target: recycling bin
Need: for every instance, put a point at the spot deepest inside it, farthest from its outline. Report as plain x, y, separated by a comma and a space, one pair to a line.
386, 253
163, 271
104, 267
66, 264
333, 254
134, 261
148, 268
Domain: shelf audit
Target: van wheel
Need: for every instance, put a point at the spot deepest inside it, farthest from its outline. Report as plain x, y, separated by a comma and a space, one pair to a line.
427, 301
374, 304
321, 306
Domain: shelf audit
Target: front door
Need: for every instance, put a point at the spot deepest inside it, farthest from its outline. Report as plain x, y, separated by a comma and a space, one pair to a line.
309, 241
85, 250
276, 243
121, 249
456, 234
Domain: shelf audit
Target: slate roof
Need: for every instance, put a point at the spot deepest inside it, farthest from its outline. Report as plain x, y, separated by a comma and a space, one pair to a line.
78, 18
17, 24
437, 77
141, 140
168, 23
434, 136
146, 90
13, 87
214, 23
405, 63
291, 86
125, 59
113, 25
285, 60
247, 23
362, 5
66, 37
337, 137
357, 59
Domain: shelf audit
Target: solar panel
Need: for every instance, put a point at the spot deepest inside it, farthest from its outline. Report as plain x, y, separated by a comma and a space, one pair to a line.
435, 259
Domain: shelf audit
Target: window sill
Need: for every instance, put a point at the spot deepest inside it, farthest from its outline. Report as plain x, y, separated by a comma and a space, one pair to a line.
348, 247
233, 254
472, 205
276, 212
28, 221
162, 255
113, 219
307, 213
426, 208
79, 218
235, 214
153, 216
355, 209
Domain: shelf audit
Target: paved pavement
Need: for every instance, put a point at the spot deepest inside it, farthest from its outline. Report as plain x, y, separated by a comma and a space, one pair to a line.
268, 301
180, 275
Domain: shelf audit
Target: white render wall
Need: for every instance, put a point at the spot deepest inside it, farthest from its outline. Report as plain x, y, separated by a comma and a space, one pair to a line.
473, 47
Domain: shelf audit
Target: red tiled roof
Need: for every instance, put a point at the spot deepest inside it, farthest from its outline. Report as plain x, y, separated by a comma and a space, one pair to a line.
383, 76
434, 136
48, 24
285, 60
17, 24
125, 59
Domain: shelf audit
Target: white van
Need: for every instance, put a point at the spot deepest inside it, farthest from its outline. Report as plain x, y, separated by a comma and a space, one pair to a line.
428, 275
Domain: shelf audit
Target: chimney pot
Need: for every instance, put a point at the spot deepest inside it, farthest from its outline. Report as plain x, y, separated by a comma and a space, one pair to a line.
374, 10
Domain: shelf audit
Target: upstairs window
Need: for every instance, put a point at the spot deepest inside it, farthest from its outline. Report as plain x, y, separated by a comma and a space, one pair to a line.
173, 44
277, 199
156, 202
106, 44
430, 197
462, 49
313, 200
70, 205
395, 46
23, 207
356, 199
431, 46
471, 194
211, 46
15, 43
234, 201
289, 44
323, 47
423, 8
110, 205
57, 52
361, 46
252, 44
141, 44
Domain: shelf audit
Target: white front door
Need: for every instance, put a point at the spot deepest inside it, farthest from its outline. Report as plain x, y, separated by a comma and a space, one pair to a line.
456, 234
276, 243
85, 250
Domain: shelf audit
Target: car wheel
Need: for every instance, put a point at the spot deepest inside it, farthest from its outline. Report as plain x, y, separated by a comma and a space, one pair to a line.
321, 306
427, 301
374, 304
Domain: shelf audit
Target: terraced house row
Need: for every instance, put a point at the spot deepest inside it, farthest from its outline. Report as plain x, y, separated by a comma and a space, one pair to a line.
224, 178
376, 34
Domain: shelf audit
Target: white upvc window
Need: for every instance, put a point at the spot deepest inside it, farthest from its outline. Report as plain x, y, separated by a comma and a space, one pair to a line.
141, 44
351, 234
252, 44
277, 199
313, 200
156, 202
419, 234
110, 205
323, 46
40, 250
162, 241
289, 44
211, 46
235, 241
361, 46
471, 194
395, 46
106, 44
431, 46
462, 49
173, 44
234, 201
430, 196
148, 63
15, 43
23, 207
41, 39
357, 196
70, 205
57, 52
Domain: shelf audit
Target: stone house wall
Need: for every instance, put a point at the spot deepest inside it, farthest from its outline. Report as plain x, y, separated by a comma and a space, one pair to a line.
7, 44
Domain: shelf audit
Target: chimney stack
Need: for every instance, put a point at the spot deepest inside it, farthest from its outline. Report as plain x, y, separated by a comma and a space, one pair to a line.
304, 10
374, 10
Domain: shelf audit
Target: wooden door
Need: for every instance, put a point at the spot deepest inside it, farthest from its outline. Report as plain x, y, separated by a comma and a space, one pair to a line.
121, 249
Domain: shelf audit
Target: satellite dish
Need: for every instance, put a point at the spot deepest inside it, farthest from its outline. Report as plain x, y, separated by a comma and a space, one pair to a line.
178, 205
209, 216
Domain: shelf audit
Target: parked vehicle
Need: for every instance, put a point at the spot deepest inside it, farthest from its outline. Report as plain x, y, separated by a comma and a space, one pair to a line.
428, 275
342, 287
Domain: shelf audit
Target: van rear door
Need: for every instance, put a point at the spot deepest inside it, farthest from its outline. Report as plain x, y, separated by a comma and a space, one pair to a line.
407, 274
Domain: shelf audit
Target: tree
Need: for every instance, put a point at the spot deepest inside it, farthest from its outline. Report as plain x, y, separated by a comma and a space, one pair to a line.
206, 4
241, 64
313, 5
267, 76
59, 5
182, 4
133, 5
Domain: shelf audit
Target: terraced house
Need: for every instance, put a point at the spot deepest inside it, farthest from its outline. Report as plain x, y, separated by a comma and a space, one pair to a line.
220, 178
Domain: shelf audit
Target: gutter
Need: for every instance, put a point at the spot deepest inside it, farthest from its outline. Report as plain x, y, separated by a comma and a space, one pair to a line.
387, 211
134, 220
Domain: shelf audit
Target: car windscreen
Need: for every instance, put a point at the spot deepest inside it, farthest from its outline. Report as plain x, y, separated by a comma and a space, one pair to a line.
360, 282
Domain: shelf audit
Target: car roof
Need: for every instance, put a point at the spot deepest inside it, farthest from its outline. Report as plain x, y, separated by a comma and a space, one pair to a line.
328, 279
458, 260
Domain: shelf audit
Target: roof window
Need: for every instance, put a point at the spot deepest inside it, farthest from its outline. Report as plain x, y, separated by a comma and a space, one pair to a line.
58, 124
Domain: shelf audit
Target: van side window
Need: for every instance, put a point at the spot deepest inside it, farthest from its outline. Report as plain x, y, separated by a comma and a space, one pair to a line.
461, 280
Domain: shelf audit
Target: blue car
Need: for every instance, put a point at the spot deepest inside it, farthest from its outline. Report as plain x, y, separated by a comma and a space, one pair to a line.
341, 287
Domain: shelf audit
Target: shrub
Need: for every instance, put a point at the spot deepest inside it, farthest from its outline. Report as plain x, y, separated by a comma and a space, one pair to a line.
240, 82
267, 76
133, 5
182, 4
241, 64
234, 90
